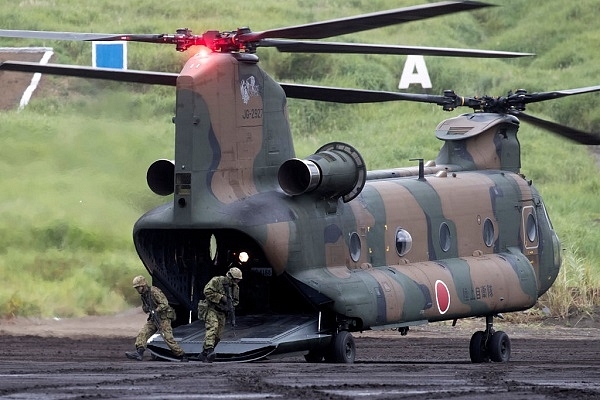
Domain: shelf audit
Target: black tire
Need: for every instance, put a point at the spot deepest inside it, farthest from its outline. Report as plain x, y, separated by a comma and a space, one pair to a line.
499, 347
342, 349
314, 356
477, 349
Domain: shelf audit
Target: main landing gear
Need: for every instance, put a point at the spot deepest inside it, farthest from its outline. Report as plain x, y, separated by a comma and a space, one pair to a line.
489, 345
341, 350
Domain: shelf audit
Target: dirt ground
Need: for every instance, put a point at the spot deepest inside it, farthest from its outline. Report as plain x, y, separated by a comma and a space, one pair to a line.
13, 84
84, 358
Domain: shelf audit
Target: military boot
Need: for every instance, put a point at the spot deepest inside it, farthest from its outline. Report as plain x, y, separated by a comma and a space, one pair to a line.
210, 355
205, 353
136, 355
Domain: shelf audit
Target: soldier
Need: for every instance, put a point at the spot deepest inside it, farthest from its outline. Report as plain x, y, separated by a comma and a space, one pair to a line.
216, 292
160, 315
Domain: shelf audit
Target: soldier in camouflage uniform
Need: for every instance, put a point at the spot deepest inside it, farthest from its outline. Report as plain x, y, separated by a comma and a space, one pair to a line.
216, 292
160, 315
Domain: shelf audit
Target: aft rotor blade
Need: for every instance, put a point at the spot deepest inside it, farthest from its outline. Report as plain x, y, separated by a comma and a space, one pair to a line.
134, 76
359, 23
562, 130
291, 46
353, 96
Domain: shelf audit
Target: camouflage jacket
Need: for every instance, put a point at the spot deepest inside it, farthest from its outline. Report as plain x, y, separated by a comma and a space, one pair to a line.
216, 289
155, 299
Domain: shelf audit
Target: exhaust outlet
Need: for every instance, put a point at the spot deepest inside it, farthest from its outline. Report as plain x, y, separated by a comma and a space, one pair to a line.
335, 170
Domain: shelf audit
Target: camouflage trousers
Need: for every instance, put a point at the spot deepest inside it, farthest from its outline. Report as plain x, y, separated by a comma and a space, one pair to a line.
149, 329
214, 323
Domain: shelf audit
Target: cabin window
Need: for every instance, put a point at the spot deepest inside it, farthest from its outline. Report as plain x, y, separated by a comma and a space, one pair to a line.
531, 228
488, 232
403, 241
354, 246
445, 237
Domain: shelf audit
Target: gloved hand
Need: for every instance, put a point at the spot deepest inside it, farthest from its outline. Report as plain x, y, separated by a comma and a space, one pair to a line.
223, 301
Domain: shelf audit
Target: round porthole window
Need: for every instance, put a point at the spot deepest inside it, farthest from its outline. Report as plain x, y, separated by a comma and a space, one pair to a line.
403, 242
354, 246
488, 232
531, 228
445, 237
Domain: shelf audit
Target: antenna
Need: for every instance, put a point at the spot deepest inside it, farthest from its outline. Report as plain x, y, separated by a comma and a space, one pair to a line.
421, 168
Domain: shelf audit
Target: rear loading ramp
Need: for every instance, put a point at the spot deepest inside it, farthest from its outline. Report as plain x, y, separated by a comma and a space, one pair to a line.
253, 338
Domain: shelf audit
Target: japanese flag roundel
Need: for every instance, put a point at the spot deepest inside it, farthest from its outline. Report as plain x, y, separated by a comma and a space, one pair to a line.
442, 296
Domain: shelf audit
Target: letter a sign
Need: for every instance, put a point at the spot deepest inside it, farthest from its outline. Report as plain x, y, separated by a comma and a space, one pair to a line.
415, 71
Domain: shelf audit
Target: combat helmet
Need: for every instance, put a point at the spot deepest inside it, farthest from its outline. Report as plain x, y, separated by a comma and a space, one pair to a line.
139, 281
234, 273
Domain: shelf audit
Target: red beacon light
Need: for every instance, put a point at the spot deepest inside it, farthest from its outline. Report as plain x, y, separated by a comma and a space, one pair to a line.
199, 52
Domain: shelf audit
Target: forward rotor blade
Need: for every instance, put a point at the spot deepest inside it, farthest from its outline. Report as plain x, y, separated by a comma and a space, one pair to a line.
562, 130
291, 46
359, 23
248, 40
353, 96
134, 76
543, 96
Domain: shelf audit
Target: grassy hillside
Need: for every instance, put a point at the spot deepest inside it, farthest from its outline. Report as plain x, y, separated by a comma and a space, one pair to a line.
73, 163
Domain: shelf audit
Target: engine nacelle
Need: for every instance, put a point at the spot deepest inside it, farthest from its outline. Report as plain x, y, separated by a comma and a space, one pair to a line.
161, 177
335, 170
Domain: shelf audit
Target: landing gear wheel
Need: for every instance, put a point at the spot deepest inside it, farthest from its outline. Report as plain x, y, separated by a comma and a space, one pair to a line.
499, 347
314, 356
342, 349
477, 348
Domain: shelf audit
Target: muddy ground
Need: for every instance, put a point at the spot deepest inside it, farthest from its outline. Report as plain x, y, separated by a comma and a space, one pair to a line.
13, 84
84, 358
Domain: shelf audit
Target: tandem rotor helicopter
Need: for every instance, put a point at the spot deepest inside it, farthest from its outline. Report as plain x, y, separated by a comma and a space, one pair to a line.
334, 248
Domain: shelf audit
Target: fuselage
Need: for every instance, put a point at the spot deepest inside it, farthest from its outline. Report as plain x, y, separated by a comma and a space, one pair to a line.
445, 247
470, 236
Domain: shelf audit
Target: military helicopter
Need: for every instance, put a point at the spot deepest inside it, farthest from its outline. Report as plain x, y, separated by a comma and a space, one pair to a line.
326, 247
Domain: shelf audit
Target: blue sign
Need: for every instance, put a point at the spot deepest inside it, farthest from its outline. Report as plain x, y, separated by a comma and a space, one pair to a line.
109, 55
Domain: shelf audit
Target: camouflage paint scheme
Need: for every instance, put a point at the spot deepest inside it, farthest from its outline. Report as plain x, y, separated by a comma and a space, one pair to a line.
470, 237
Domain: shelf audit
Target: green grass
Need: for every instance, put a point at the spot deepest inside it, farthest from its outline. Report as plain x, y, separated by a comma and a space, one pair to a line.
73, 163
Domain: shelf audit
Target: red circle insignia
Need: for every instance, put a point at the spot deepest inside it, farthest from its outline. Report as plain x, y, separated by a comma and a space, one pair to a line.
442, 296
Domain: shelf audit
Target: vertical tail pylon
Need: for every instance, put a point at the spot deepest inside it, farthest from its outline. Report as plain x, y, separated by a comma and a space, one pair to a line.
232, 133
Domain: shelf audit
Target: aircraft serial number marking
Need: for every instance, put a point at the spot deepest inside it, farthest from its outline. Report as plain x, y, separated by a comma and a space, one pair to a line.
252, 113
